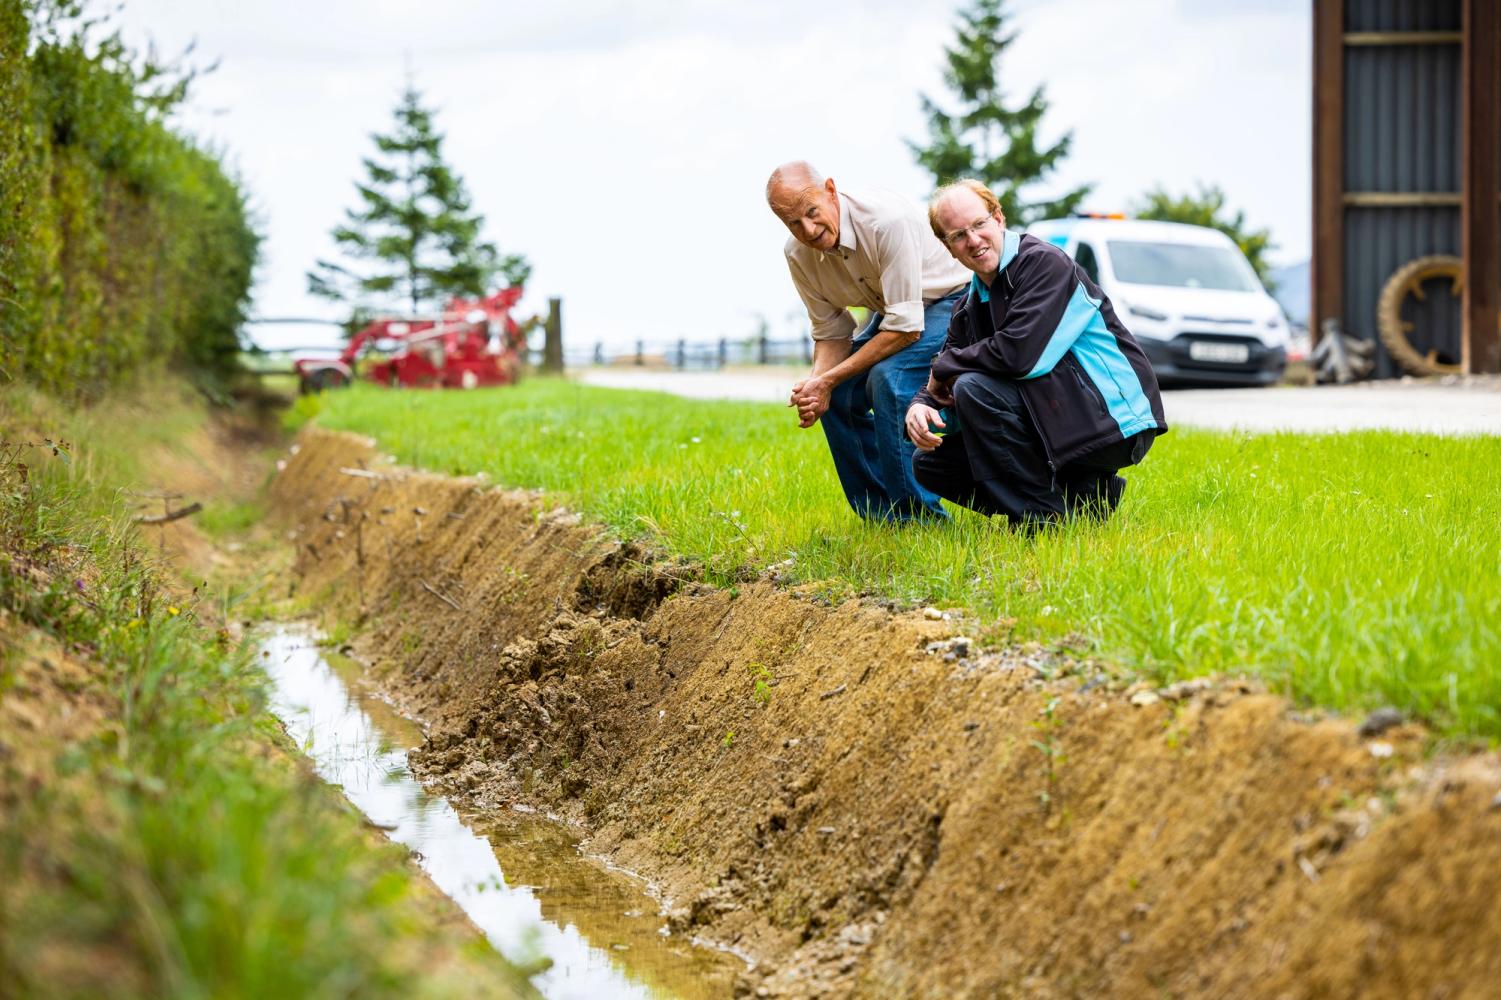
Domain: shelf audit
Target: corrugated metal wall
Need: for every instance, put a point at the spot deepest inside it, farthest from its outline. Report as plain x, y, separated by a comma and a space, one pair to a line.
1401, 134
1402, 15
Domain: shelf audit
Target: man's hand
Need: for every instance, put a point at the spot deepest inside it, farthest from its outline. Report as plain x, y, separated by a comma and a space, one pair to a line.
920, 419
811, 397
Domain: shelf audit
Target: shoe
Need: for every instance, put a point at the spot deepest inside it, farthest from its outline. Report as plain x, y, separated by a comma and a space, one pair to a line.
1099, 502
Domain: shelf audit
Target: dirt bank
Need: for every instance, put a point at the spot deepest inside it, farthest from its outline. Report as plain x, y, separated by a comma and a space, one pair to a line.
866, 805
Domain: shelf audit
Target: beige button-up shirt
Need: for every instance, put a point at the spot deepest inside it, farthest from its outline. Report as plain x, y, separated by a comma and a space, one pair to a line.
888, 261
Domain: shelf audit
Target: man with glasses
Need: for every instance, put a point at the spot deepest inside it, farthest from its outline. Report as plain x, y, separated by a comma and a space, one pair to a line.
1040, 394
874, 251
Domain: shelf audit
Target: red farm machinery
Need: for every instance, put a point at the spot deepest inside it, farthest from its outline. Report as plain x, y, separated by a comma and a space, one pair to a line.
473, 342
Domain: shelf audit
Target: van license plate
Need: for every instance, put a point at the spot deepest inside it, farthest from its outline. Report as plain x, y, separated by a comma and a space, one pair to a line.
1227, 354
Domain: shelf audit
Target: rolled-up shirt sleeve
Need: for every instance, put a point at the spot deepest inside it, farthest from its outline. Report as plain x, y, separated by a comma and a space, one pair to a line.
830, 322
899, 252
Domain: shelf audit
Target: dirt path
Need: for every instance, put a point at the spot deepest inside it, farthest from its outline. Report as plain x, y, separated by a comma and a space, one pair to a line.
867, 805
1455, 406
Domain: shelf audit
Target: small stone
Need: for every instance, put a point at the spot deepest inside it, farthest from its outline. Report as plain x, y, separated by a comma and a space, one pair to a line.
1379, 722
790, 743
1142, 699
1381, 750
1125, 937
1308, 870
932, 614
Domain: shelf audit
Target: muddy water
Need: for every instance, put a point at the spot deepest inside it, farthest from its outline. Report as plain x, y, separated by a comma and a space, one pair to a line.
519, 877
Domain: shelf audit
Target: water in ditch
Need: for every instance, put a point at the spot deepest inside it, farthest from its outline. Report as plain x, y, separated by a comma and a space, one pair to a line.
520, 877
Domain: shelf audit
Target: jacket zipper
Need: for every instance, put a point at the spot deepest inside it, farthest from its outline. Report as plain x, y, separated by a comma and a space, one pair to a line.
1047, 449
1089, 390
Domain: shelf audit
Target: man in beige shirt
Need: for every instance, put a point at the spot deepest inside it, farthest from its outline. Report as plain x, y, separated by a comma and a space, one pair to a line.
874, 250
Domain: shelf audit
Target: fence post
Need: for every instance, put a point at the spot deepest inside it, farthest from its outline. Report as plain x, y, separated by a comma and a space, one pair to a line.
762, 346
552, 344
599, 352
640, 351
724, 351
808, 351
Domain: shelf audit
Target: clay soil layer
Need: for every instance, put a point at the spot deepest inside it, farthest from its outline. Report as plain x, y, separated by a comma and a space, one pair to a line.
864, 804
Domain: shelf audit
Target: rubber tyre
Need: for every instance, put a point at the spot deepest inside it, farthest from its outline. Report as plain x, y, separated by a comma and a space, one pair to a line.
1389, 310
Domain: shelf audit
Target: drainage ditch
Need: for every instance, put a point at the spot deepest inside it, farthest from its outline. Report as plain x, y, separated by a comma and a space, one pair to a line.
517, 874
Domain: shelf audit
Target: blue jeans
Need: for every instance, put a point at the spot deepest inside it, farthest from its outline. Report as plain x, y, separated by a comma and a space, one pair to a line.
864, 421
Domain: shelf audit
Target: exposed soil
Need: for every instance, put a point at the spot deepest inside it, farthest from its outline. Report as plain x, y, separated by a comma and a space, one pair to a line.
865, 804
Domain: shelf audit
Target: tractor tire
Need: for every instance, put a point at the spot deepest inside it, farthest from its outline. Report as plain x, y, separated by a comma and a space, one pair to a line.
1405, 280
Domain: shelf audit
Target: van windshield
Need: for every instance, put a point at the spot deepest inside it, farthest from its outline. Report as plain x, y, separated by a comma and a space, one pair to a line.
1180, 265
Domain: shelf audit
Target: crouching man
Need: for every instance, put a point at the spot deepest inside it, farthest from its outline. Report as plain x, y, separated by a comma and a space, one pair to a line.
870, 250
1040, 393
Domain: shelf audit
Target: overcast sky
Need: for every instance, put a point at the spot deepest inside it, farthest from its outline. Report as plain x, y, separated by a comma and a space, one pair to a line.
623, 145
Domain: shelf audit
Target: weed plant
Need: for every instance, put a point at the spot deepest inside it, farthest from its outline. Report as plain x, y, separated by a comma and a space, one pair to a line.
1348, 570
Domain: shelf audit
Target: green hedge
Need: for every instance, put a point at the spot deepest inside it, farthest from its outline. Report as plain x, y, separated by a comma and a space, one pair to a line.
123, 245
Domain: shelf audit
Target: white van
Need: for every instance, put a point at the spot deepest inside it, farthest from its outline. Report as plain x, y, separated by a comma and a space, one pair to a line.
1186, 293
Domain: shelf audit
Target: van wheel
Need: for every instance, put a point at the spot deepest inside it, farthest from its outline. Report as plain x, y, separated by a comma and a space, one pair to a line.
1408, 280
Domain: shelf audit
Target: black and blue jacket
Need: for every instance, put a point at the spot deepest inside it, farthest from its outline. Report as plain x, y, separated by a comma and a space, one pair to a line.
1043, 323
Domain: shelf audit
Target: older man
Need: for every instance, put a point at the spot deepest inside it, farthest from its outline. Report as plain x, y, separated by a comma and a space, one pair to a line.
872, 250
1046, 393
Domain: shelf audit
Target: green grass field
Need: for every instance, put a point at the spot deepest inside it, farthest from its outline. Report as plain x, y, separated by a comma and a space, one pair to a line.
1347, 571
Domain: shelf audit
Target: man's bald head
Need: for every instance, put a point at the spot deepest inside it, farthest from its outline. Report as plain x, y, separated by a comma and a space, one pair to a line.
790, 180
806, 202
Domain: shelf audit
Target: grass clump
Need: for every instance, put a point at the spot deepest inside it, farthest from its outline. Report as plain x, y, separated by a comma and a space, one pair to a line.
1347, 570
156, 839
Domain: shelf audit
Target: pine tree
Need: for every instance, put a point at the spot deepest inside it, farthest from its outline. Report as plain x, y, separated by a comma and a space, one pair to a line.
415, 237
986, 140
1205, 209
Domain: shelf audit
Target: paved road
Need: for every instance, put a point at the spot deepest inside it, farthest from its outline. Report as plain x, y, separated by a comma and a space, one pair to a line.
1463, 406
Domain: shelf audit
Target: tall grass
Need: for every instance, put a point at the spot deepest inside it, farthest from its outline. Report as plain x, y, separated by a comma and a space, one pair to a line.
170, 851
1347, 570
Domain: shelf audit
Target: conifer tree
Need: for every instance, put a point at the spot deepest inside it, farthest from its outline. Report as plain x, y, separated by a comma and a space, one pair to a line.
984, 139
415, 240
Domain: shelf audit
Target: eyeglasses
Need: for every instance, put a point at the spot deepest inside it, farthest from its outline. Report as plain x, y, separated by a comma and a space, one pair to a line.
960, 235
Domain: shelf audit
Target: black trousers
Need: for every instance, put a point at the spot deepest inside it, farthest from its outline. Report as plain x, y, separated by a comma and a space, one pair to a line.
996, 464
